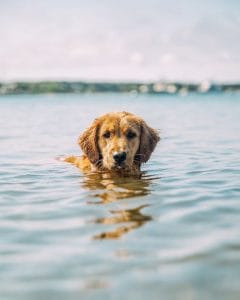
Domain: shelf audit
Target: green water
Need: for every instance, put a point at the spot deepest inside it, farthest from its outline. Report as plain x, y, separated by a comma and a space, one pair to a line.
172, 234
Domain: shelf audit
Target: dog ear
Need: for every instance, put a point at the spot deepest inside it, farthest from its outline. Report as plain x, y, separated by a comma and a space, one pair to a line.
88, 142
148, 141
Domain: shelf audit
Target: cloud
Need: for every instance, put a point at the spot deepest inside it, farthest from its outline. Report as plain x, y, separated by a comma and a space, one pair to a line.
136, 58
130, 40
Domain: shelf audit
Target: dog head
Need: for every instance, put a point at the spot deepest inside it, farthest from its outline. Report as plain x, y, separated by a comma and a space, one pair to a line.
118, 141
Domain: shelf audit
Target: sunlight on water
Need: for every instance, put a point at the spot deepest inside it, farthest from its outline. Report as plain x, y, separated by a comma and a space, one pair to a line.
171, 232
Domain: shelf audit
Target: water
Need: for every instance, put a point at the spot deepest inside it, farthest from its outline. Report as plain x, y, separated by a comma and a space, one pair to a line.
172, 234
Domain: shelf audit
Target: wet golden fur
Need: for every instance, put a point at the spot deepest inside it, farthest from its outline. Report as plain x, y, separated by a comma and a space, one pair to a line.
114, 133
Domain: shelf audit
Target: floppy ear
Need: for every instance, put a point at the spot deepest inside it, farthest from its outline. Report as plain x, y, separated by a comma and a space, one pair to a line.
148, 141
88, 142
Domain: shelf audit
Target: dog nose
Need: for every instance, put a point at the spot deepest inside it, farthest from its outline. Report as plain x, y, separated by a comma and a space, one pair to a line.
119, 157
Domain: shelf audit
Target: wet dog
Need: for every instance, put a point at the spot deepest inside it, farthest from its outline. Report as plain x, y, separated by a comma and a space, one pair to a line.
116, 142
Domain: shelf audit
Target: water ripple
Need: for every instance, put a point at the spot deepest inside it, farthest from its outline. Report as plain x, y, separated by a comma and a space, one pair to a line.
172, 231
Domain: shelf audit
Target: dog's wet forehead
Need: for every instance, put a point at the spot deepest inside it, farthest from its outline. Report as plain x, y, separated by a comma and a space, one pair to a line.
120, 125
128, 124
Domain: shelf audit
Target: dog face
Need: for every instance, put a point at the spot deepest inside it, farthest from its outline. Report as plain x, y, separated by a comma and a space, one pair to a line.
118, 141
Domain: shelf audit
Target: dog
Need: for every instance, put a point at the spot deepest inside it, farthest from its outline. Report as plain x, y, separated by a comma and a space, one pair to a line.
116, 142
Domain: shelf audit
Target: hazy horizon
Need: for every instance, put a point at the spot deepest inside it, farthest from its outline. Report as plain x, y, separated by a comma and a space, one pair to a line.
125, 41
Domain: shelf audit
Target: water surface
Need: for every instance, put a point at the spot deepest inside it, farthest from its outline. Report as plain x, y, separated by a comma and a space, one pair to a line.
171, 234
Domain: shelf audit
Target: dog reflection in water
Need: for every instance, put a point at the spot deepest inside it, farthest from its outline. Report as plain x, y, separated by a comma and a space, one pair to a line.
114, 189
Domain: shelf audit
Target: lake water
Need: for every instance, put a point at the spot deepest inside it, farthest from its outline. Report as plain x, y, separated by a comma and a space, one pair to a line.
172, 234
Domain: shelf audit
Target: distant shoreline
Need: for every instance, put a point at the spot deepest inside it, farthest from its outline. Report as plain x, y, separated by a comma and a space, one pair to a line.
160, 87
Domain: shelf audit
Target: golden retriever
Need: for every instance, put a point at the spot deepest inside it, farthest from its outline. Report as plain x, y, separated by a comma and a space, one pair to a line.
117, 142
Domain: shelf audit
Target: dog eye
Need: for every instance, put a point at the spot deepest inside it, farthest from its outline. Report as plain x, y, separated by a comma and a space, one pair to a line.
131, 135
107, 134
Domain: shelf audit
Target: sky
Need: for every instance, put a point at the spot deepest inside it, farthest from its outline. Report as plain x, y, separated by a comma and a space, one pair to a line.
126, 40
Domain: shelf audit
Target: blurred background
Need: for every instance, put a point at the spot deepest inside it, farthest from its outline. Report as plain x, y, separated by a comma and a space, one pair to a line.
120, 41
